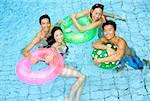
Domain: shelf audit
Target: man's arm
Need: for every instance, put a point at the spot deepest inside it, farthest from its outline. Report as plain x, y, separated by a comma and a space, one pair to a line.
29, 47
115, 57
99, 45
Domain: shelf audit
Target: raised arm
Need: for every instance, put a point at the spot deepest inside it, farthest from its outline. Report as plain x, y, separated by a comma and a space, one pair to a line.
115, 16
83, 28
87, 27
80, 14
77, 15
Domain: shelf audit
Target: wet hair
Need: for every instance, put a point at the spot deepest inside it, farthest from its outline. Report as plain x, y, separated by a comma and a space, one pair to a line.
97, 6
109, 22
51, 39
43, 17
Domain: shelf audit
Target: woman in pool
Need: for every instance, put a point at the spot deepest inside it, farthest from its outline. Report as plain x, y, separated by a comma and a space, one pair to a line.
40, 38
56, 41
95, 14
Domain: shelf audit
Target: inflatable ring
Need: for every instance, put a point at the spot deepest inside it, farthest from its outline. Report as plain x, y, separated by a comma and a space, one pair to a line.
25, 74
99, 53
78, 37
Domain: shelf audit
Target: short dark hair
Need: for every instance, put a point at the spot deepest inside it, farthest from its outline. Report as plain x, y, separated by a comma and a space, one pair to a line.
44, 16
109, 22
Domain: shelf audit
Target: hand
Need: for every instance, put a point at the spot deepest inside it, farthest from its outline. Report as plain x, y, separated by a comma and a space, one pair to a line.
119, 18
33, 60
125, 20
49, 57
96, 61
110, 51
61, 21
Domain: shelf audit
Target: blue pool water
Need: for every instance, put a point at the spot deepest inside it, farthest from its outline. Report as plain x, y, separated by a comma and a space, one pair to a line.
19, 24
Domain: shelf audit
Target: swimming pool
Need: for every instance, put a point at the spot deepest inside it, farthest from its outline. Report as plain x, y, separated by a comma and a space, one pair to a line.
19, 24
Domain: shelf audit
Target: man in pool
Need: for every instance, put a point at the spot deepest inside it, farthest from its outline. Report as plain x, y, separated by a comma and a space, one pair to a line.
41, 37
123, 54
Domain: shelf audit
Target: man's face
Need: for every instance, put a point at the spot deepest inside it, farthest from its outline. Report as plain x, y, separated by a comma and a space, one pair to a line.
45, 24
109, 32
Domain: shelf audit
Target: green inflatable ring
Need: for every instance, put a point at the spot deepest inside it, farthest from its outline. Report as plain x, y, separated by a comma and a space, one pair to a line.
78, 37
99, 53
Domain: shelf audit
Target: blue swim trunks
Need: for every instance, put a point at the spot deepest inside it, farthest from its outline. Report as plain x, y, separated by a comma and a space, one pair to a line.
131, 59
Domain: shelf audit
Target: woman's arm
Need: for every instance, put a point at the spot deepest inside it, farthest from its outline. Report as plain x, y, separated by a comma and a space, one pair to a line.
49, 57
78, 15
114, 16
83, 28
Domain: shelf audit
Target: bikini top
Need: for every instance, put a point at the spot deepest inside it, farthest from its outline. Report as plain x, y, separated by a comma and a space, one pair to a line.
62, 49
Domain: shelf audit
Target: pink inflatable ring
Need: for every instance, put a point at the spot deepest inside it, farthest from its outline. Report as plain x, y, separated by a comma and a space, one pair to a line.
25, 74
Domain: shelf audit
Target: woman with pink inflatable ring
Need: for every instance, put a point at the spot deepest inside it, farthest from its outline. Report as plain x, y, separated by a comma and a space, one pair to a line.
56, 41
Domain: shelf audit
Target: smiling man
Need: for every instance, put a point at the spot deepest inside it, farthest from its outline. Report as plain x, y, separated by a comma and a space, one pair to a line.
123, 54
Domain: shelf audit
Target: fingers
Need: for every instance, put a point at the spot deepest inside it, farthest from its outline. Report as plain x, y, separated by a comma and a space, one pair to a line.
49, 57
61, 21
33, 60
96, 62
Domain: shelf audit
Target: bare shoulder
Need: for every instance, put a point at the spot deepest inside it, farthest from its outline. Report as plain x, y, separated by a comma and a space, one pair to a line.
121, 42
38, 35
102, 40
120, 39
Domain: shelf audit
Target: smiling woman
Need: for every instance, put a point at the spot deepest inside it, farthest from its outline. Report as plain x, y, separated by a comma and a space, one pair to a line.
26, 74
78, 37
86, 22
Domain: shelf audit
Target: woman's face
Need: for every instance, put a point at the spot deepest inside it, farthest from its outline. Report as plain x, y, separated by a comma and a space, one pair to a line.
45, 24
96, 14
109, 32
58, 36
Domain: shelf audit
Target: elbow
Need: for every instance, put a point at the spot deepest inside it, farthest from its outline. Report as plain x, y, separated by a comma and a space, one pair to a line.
24, 52
94, 46
80, 29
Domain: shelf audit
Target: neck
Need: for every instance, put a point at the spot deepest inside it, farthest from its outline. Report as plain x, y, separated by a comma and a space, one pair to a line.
45, 33
112, 40
56, 44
